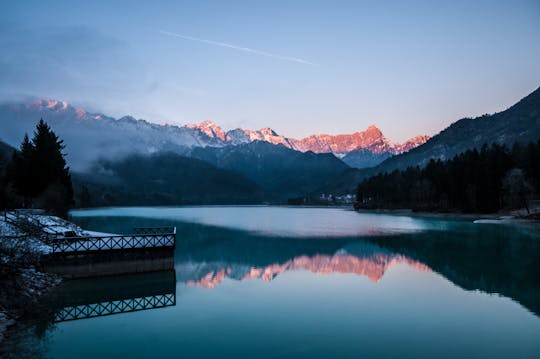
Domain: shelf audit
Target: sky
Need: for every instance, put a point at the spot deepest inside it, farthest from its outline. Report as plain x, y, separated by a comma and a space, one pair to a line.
299, 67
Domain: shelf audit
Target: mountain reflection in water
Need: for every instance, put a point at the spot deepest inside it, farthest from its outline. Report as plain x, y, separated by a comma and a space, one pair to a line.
373, 267
493, 259
499, 259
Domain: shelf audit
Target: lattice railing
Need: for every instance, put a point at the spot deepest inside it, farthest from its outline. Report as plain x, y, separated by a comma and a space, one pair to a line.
114, 307
73, 245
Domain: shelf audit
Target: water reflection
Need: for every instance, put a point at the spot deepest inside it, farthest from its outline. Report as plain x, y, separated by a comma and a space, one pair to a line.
89, 298
273, 221
498, 259
372, 263
346, 295
98, 297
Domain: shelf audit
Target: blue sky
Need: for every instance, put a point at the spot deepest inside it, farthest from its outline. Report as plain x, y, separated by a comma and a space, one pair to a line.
300, 67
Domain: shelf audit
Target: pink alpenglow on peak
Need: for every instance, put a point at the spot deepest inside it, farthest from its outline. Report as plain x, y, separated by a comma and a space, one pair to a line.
51, 104
210, 128
372, 140
412, 143
61, 107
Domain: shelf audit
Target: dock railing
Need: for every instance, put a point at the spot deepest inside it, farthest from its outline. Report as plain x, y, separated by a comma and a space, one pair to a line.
143, 238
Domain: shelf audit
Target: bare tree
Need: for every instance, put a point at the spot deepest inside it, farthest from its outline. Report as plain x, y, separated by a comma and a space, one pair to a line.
517, 191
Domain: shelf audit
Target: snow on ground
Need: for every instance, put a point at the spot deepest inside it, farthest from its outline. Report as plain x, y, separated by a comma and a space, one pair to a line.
54, 225
20, 281
60, 227
17, 243
48, 225
7, 229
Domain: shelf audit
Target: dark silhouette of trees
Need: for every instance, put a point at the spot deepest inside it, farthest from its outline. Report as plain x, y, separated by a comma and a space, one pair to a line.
7, 191
39, 173
22, 173
484, 181
517, 190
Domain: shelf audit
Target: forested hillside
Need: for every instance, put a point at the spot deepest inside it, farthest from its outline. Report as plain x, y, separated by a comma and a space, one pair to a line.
485, 181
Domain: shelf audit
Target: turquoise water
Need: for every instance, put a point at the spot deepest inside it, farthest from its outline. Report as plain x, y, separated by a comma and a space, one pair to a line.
278, 282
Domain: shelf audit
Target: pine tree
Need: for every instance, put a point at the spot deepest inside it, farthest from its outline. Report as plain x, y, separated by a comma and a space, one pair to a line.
40, 173
22, 173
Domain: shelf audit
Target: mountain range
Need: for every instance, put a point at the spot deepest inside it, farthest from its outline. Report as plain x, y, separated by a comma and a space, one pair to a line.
371, 140
89, 136
277, 169
116, 159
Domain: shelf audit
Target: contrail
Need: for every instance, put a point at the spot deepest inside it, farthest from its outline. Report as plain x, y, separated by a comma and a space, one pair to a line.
239, 48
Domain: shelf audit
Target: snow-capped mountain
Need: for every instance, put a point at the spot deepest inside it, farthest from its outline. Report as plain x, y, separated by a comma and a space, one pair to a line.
372, 139
92, 135
89, 136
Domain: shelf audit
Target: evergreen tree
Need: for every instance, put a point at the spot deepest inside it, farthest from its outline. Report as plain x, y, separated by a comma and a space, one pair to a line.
22, 172
40, 173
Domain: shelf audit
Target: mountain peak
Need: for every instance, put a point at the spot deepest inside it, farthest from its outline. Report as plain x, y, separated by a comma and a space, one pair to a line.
373, 128
61, 107
209, 123
51, 104
209, 128
267, 131
373, 132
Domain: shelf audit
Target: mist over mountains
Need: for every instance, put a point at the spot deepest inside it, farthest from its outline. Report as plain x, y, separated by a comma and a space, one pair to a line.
90, 136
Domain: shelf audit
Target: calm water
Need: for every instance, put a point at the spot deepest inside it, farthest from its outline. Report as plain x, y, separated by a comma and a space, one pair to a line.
277, 282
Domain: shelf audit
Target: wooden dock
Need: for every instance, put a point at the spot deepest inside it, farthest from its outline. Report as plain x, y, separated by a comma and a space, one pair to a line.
145, 238
146, 250
73, 253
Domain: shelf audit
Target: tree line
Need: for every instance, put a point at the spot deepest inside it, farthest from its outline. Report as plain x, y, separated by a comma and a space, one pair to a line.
476, 181
37, 176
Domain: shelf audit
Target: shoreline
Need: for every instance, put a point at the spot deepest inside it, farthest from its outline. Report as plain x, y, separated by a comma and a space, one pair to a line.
23, 293
503, 217
24, 283
506, 217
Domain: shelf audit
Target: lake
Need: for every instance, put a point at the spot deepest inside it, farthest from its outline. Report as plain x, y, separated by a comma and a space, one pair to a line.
289, 282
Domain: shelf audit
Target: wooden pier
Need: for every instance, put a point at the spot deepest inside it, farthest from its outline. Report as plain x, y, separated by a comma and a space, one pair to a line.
146, 250
143, 239
74, 253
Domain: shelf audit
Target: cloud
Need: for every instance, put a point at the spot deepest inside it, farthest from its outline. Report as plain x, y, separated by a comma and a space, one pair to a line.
239, 48
62, 61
